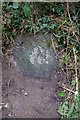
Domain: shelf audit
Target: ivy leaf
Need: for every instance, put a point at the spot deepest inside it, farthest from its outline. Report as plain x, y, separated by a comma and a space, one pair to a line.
15, 5
61, 94
65, 59
27, 10
53, 25
2, 1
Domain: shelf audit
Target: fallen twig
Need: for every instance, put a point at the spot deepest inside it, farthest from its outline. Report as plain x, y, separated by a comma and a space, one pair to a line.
63, 86
53, 46
69, 13
76, 74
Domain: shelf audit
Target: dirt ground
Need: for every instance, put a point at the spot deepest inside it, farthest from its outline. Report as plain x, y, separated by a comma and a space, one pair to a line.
25, 96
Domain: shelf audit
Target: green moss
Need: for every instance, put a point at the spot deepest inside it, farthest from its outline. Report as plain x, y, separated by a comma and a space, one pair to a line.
49, 43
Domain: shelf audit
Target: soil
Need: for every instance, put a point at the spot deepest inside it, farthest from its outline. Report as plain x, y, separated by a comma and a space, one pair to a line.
28, 97
25, 96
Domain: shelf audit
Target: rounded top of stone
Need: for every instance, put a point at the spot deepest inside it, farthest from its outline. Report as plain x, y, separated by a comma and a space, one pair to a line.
35, 58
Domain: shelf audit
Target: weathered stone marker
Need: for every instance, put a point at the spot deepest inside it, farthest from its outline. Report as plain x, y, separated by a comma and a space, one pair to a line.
33, 55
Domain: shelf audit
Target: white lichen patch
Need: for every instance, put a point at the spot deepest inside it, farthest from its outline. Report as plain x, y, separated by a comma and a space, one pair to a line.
39, 56
33, 55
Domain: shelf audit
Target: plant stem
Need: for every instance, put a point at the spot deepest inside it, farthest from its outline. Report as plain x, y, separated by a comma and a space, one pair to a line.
76, 72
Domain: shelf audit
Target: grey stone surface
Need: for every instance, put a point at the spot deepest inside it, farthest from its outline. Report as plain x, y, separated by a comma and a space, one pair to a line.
33, 55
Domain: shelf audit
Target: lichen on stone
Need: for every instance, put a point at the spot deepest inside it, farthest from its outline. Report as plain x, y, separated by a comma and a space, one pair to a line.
39, 55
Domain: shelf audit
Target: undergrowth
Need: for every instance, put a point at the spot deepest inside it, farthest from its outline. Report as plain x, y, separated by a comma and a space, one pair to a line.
63, 21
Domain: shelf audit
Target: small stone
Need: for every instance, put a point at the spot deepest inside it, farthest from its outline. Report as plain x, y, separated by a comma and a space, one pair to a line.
0, 107
22, 90
25, 94
6, 105
15, 64
9, 114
